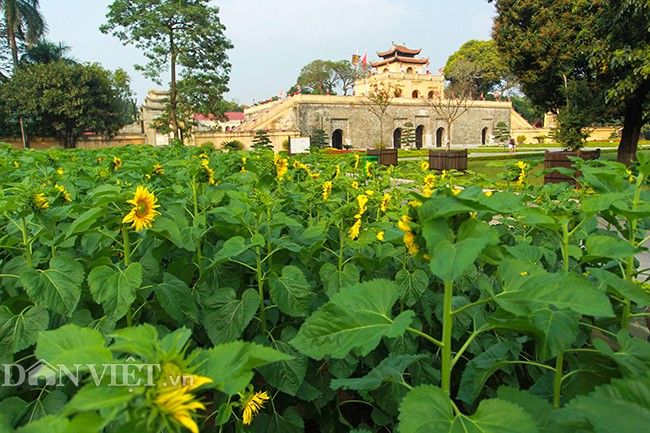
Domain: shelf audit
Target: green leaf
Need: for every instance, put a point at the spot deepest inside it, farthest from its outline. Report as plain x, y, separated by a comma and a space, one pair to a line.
289, 422
114, 288
70, 345
333, 280
84, 221
356, 318
18, 332
287, 375
534, 405
231, 365
233, 247
479, 369
226, 317
170, 230
92, 397
617, 285
558, 329
389, 370
411, 285
594, 204
450, 260
136, 341
621, 406
525, 293
223, 414
58, 288
633, 354
608, 247
291, 292
428, 408
176, 298
49, 424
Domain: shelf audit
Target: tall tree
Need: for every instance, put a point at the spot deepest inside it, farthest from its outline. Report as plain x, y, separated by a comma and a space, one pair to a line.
587, 58
327, 76
317, 77
621, 57
491, 73
23, 22
65, 101
457, 96
47, 52
185, 35
377, 101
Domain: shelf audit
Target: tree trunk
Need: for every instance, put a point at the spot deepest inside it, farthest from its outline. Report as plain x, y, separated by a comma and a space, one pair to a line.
633, 121
11, 35
448, 135
172, 93
23, 133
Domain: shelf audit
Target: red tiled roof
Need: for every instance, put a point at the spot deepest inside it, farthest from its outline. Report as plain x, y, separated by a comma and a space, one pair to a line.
234, 115
400, 49
204, 117
230, 115
400, 59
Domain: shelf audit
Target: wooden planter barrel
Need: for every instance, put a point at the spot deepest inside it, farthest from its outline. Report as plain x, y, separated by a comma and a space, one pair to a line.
448, 160
561, 159
385, 156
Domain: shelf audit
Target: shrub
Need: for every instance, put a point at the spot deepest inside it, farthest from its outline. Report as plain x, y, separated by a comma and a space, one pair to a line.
207, 144
521, 139
233, 145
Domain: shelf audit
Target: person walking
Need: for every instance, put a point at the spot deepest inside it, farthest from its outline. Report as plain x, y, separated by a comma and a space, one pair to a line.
512, 145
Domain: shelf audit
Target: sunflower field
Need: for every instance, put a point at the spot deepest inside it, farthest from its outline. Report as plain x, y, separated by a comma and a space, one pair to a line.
183, 289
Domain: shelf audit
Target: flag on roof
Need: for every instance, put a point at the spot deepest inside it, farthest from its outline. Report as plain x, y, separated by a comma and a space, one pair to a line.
355, 59
364, 60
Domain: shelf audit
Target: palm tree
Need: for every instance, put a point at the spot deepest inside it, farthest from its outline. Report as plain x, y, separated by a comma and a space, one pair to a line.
23, 22
47, 52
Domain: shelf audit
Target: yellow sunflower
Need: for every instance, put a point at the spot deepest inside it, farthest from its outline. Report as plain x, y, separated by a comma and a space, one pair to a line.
144, 209
384, 202
40, 201
117, 163
178, 400
251, 404
327, 189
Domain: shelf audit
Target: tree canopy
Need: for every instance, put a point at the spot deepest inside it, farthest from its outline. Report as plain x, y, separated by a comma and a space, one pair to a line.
45, 51
587, 58
490, 71
65, 100
327, 76
22, 21
186, 39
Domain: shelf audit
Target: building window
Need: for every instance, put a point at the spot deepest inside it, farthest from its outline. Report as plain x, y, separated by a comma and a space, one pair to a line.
415, 94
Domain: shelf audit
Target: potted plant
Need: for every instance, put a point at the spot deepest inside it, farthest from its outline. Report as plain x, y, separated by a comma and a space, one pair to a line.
384, 156
449, 105
570, 131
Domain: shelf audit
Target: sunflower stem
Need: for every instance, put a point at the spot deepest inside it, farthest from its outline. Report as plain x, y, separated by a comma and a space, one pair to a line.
26, 243
557, 381
127, 261
260, 288
199, 253
446, 337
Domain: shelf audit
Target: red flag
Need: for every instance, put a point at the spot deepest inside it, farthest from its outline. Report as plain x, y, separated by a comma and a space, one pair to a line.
364, 60
355, 59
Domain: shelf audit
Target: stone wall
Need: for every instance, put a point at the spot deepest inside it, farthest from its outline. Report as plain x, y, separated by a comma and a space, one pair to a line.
86, 142
361, 129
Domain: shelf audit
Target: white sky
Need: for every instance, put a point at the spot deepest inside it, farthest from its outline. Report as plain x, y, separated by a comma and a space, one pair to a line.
274, 39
